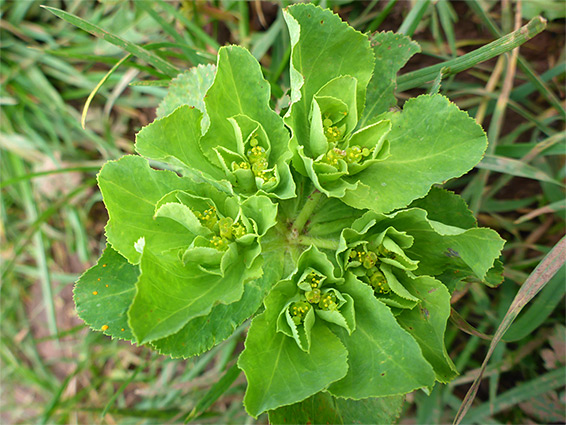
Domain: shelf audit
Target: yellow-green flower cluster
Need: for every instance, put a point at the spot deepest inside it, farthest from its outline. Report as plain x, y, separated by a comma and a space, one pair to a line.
369, 266
225, 228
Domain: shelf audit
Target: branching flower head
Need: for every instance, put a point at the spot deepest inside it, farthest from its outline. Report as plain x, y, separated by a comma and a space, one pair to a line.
317, 296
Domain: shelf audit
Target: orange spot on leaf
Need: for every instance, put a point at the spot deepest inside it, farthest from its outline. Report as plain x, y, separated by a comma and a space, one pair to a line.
94, 292
105, 327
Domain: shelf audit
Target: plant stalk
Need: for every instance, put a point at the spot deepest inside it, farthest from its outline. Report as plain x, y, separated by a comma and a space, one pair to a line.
312, 201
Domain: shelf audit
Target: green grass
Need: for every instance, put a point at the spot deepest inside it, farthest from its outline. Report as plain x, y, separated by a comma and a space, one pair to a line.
56, 371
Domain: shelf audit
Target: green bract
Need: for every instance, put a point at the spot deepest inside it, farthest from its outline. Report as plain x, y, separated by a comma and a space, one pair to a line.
326, 217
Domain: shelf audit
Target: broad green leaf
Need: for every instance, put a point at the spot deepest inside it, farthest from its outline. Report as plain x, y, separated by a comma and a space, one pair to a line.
131, 190
383, 359
437, 246
427, 323
188, 88
494, 276
392, 51
240, 89
330, 217
104, 293
446, 207
170, 293
175, 139
323, 408
202, 333
323, 48
278, 371
431, 140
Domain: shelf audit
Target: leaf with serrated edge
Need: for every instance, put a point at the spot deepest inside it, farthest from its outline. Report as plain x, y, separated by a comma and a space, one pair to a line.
383, 359
322, 408
104, 293
130, 190
175, 139
188, 88
170, 293
392, 51
437, 246
446, 207
330, 217
431, 141
202, 333
240, 89
427, 323
278, 371
323, 48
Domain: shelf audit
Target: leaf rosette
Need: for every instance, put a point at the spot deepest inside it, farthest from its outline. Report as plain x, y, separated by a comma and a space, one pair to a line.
317, 297
357, 151
197, 245
335, 149
361, 316
340, 339
245, 142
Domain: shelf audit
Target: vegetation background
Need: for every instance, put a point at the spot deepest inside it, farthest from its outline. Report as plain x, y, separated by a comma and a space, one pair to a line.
54, 370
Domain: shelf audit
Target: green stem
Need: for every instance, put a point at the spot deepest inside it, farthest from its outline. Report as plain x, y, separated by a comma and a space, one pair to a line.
306, 212
504, 44
318, 242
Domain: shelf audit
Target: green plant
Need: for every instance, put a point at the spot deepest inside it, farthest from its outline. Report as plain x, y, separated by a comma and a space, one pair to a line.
325, 216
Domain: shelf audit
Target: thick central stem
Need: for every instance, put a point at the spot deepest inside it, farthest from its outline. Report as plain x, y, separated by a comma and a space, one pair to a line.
306, 212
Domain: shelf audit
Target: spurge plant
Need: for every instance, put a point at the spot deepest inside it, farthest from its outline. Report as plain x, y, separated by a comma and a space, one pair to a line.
321, 224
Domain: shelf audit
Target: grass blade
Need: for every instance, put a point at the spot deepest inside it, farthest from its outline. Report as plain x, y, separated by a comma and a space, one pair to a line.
514, 167
197, 31
504, 44
464, 326
381, 17
522, 63
47, 173
545, 303
536, 387
215, 392
548, 267
100, 83
550, 208
414, 17
162, 65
